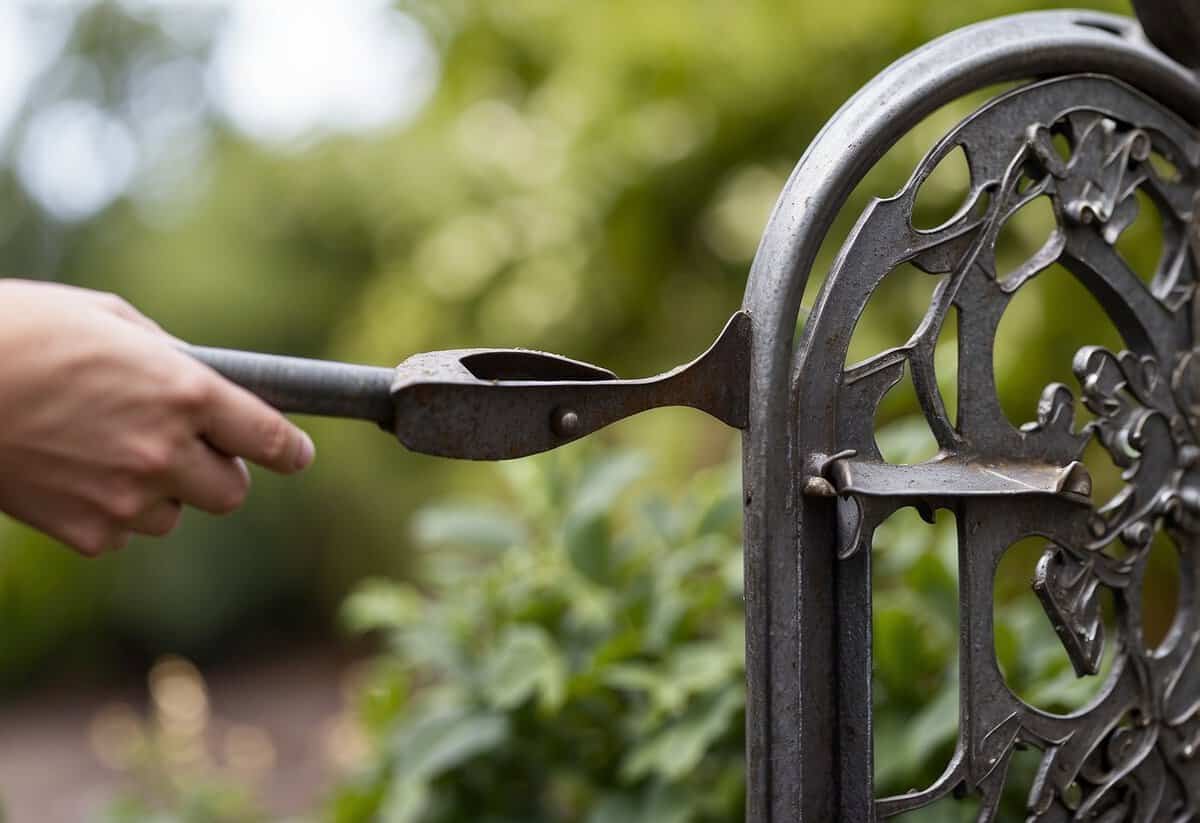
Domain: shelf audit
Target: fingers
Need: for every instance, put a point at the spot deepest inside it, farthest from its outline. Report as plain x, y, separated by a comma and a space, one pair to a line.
159, 520
91, 537
83, 527
90, 531
208, 480
238, 423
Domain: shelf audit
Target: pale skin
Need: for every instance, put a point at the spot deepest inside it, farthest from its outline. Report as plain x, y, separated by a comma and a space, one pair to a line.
107, 429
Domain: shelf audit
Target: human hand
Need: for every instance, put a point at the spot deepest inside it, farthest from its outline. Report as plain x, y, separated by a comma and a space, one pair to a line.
107, 428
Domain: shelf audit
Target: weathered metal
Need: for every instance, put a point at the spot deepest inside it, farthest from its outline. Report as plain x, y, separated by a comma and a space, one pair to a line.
493, 404
816, 484
297, 384
1112, 130
809, 613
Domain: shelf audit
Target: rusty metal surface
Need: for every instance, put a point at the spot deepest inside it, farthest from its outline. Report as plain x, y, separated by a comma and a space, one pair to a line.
296, 384
494, 404
809, 750
443, 408
956, 477
1126, 755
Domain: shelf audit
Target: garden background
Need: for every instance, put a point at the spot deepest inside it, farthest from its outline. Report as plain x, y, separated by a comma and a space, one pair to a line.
395, 637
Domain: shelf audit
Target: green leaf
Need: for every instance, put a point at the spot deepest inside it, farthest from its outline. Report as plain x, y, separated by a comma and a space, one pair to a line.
357, 799
473, 525
533, 482
662, 517
613, 808
406, 802
383, 696
381, 604
701, 667
676, 751
722, 514
665, 803
588, 539
524, 663
655, 684
603, 481
934, 726
434, 743
588, 528
913, 645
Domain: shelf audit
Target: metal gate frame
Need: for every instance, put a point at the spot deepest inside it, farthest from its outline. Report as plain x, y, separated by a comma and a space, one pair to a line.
815, 484
808, 645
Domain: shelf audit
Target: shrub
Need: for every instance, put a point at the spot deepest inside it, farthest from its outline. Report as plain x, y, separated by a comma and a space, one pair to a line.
575, 653
575, 657
578, 655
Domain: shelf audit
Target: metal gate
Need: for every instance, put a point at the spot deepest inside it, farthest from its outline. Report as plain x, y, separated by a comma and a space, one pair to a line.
816, 485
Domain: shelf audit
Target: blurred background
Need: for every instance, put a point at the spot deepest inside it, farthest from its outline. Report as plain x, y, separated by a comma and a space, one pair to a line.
393, 637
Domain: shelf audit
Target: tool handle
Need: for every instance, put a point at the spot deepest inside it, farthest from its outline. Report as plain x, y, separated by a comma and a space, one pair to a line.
296, 384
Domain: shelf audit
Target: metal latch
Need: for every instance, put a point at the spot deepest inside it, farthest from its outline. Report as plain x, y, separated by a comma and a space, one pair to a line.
493, 404
867, 491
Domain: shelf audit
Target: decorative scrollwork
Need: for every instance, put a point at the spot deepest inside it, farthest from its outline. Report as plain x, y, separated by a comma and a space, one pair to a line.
1131, 753
1141, 427
1070, 593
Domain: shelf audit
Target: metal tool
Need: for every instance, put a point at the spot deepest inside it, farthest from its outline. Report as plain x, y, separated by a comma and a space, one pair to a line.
493, 404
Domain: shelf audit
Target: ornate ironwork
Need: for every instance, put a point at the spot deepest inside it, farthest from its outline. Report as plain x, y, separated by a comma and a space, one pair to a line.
1130, 753
816, 484
1124, 754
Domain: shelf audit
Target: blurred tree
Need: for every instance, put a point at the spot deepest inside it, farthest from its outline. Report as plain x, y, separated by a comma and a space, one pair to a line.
589, 178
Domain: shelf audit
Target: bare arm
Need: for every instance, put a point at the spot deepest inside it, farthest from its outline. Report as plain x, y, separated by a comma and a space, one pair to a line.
106, 429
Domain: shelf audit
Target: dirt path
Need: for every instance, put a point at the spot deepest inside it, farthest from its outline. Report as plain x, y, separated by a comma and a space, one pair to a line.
277, 723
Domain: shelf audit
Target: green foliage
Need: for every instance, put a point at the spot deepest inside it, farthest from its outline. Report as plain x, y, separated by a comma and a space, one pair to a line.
579, 660
581, 657
200, 802
34, 573
591, 178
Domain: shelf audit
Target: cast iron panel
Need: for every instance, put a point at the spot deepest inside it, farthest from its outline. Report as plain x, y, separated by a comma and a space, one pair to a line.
815, 495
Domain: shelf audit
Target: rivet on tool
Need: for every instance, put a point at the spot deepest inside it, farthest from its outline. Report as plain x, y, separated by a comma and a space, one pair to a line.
565, 422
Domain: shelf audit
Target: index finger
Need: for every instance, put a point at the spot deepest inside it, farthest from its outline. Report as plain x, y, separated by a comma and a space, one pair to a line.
239, 424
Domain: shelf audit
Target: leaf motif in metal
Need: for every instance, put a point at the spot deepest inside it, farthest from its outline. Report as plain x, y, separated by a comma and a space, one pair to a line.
1131, 753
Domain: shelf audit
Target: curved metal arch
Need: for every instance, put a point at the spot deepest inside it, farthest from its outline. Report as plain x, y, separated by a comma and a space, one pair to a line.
804, 608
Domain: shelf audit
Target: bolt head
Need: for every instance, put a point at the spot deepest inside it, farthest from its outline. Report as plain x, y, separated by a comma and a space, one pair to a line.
565, 422
815, 486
